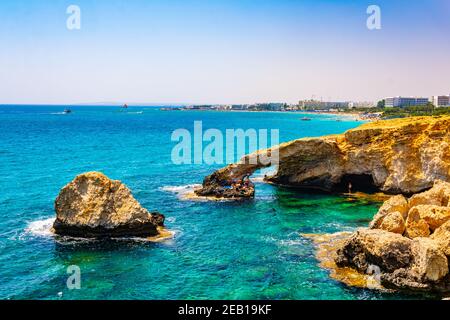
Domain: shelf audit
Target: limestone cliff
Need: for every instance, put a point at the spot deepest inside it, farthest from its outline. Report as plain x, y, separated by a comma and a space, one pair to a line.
92, 205
394, 156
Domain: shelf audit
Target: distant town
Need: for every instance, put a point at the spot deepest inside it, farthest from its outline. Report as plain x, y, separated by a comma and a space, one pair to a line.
391, 106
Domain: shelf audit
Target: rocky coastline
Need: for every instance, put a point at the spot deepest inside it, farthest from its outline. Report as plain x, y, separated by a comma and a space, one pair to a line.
399, 156
407, 245
407, 242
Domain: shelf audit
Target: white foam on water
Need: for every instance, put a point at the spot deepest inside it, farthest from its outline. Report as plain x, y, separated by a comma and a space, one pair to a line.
181, 189
44, 228
137, 112
258, 179
171, 219
41, 228
186, 193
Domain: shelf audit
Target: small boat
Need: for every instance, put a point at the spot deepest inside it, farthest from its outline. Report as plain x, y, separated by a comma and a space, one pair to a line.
306, 119
67, 111
125, 106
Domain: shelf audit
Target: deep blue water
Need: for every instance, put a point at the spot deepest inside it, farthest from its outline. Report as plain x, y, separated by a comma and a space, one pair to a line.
221, 250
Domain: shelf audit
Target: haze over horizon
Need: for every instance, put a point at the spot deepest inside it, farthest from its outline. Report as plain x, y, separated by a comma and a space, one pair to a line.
221, 51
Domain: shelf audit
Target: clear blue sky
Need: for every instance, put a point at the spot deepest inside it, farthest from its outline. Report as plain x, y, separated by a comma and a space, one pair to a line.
221, 51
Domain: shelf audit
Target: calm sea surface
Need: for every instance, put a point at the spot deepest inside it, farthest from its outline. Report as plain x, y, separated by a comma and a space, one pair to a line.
221, 250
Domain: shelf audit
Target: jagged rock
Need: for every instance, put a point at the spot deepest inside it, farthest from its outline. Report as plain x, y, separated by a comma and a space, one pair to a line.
218, 187
416, 261
442, 236
394, 156
415, 225
387, 250
438, 195
393, 222
415, 265
433, 215
396, 203
430, 263
92, 205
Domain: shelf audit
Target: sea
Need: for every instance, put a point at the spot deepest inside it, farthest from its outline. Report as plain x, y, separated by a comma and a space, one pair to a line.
252, 249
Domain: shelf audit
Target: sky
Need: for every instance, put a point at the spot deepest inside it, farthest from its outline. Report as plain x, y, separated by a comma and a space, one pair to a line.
221, 51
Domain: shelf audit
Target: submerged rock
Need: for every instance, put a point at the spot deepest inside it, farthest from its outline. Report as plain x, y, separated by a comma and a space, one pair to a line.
399, 156
416, 259
92, 205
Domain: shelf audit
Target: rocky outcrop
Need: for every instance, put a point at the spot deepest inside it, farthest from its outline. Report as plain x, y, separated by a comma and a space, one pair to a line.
215, 186
408, 241
400, 156
395, 205
405, 264
442, 237
92, 205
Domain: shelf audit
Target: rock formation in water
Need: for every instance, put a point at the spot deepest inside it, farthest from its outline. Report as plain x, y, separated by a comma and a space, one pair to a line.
400, 156
215, 186
408, 241
92, 205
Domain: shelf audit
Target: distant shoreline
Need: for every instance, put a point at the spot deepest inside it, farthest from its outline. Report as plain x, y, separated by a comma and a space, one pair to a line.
355, 115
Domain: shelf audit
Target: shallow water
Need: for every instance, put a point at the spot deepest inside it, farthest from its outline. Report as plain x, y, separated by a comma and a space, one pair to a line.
221, 250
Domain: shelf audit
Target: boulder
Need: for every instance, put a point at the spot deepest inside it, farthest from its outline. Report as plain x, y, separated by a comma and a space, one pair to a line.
393, 222
387, 250
415, 225
412, 256
442, 236
396, 203
92, 206
434, 215
413, 265
438, 195
430, 263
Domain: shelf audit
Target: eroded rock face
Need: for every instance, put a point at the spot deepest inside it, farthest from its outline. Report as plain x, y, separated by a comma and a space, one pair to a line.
416, 259
416, 226
442, 237
393, 222
397, 204
92, 205
423, 213
387, 250
415, 265
216, 186
433, 215
401, 156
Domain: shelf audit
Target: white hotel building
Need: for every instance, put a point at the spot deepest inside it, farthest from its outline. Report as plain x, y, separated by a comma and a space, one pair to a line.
441, 101
405, 102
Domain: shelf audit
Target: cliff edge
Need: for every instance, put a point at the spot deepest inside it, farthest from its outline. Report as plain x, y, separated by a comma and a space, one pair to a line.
399, 156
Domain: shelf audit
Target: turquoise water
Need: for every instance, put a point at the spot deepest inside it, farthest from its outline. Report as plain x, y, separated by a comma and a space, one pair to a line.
221, 250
